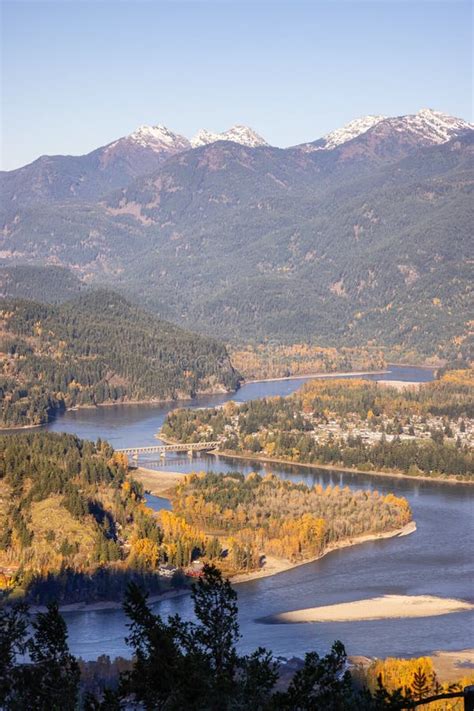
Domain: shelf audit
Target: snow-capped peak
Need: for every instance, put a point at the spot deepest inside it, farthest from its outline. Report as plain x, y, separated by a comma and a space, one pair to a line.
349, 131
158, 138
429, 126
238, 134
203, 137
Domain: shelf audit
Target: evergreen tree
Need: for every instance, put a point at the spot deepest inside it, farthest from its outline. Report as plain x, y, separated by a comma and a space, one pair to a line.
13, 627
54, 674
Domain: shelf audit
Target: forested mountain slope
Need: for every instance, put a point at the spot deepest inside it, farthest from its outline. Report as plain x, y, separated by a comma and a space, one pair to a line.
53, 178
48, 284
368, 241
99, 348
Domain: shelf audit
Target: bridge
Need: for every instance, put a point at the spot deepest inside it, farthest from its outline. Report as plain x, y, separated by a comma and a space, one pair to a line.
163, 449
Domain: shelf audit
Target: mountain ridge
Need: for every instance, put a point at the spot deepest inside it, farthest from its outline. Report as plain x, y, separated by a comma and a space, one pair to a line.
342, 246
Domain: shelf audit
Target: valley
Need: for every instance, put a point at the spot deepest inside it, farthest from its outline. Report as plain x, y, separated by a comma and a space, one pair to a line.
236, 356
342, 239
126, 315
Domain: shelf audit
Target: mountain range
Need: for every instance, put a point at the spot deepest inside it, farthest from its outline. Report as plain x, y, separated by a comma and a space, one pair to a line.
361, 236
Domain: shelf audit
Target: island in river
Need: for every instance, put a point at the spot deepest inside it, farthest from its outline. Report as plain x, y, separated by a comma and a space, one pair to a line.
76, 528
163, 484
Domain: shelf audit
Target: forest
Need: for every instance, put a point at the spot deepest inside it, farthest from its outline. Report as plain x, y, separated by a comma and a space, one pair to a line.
254, 516
74, 526
97, 349
351, 423
275, 360
178, 664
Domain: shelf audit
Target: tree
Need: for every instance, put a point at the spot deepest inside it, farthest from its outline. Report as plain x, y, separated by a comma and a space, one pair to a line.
154, 678
13, 627
54, 674
322, 683
258, 674
217, 631
194, 665
420, 685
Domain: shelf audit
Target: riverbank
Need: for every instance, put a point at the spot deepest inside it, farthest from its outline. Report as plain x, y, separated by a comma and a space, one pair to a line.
114, 403
281, 565
376, 608
109, 604
336, 467
157, 482
337, 374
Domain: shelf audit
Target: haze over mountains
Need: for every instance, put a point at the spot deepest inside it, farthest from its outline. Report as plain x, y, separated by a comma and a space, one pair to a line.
362, 235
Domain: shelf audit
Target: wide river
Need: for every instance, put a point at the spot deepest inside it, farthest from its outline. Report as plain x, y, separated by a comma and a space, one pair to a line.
436, 560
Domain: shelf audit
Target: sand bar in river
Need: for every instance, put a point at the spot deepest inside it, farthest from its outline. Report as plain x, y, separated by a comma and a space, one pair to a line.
376, 608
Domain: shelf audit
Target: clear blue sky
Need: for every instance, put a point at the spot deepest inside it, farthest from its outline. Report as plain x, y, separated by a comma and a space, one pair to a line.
77, 75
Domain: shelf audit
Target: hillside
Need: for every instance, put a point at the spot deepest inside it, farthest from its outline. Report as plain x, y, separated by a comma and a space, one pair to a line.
73, 526
361, 237
99, 348
48, 284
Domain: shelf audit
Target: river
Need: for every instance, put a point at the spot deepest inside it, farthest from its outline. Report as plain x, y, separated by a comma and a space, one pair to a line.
436, 559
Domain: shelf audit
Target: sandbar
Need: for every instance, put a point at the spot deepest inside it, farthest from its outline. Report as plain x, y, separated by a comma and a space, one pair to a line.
376, 608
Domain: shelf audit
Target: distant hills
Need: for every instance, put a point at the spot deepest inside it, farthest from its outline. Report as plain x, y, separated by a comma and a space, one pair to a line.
362, 236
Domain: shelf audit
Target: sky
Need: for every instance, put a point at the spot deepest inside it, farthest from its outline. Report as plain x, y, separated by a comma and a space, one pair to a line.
77, 74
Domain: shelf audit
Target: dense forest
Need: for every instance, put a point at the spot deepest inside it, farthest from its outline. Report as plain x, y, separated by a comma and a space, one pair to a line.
275, 360
352, 423
95, 349
195, 665
258, 516
49, 283
74, 526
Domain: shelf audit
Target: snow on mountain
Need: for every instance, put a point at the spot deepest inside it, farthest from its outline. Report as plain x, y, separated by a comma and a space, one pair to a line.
238, 134
203, 137
341, 135
156, 138
159, 138
429, 127
349, 131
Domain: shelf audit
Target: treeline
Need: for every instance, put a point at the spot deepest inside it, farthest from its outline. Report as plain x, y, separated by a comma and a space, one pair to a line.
99, 348
450, 396
258, 516
103, 584
180, 665
416, 677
